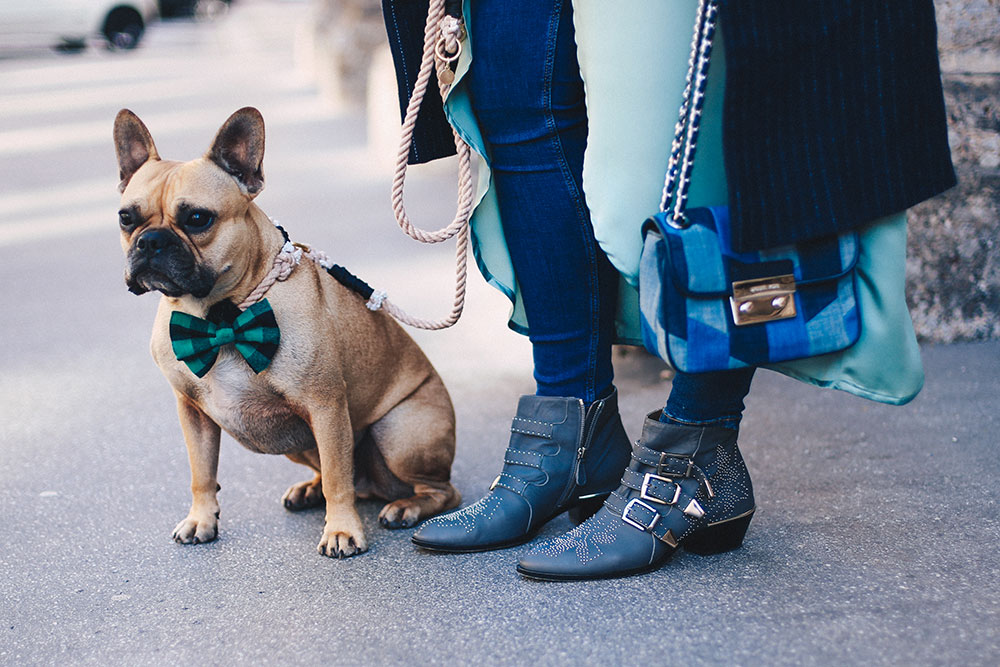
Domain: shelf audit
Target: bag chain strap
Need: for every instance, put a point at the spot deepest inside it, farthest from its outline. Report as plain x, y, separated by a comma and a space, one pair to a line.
686, 131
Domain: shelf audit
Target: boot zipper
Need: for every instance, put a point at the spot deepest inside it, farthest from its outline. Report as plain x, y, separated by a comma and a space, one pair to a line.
590, 434
585, 442
583, 424
571, 483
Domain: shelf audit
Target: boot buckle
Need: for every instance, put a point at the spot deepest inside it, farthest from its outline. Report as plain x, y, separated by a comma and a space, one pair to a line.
668, 461
646, 495
654, 517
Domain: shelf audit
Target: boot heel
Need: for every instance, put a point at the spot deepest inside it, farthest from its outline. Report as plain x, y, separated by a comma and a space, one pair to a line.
586, 508
721, 537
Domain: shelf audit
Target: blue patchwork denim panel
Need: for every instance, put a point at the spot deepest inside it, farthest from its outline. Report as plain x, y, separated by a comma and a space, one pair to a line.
685, 285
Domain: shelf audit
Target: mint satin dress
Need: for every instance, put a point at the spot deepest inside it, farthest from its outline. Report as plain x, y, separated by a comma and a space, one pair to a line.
633, 59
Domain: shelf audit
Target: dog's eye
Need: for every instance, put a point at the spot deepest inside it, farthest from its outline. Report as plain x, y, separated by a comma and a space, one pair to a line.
126, 219
198, 220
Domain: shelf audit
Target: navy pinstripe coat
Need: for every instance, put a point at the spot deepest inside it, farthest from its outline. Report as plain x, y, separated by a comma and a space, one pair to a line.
833, 115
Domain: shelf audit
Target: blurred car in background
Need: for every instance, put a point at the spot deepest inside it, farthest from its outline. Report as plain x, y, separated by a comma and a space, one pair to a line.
203, 9
69, 24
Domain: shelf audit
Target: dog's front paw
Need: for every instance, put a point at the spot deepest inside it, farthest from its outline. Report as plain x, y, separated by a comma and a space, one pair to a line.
193, 530
339, 542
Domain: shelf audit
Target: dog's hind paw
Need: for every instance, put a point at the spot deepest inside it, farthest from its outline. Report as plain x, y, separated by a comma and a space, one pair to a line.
303, 496
399, 514
193, 531
426, 502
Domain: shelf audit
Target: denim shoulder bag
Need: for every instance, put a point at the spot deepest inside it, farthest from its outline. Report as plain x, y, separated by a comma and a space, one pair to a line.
707, 308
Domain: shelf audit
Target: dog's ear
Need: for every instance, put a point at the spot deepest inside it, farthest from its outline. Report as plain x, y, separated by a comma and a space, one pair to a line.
239, 149
133, 144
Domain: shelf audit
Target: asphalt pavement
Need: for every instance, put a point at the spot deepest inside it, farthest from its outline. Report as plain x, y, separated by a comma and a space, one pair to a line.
875, 542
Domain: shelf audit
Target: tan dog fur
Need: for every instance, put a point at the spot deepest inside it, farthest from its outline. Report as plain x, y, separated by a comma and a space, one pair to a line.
348, 394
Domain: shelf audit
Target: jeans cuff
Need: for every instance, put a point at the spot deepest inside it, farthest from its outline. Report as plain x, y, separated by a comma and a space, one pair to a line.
727, 421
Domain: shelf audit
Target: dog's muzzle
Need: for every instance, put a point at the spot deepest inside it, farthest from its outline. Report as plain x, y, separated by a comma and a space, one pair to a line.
159, 260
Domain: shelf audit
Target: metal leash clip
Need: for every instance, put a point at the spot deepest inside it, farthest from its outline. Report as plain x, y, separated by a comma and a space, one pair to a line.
452, 33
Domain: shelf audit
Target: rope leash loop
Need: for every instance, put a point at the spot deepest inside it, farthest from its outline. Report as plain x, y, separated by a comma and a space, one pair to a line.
442, 46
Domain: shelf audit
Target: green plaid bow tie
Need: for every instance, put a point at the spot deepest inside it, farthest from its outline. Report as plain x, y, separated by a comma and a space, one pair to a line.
254, 332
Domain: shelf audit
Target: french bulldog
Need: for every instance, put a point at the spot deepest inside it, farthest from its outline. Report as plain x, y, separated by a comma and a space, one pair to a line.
346, 391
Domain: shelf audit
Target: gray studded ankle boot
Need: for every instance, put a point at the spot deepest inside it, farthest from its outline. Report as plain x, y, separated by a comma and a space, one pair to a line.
562, 456
685, 486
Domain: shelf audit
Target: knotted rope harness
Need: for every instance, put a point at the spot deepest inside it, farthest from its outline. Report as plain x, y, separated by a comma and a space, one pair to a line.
291, 255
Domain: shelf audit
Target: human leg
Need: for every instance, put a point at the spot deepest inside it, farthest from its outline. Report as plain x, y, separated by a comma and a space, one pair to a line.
567, 443
704, 399
528, 97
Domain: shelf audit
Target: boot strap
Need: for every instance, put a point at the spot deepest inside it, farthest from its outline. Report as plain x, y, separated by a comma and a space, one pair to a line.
533, 427
509, 482
661, 490
517, 457
522, 457
671, 465
640, 514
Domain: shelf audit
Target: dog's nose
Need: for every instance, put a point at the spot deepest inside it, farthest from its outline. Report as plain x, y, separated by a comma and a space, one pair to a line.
155, 241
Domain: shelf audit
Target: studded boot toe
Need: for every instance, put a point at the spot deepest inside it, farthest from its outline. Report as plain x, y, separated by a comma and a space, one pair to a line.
562, 456
685, 486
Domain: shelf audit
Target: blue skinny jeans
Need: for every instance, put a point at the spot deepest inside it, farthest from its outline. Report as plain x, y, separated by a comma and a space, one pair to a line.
529, 102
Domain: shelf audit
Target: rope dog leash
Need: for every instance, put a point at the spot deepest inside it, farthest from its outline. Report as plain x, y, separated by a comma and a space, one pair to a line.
442, 47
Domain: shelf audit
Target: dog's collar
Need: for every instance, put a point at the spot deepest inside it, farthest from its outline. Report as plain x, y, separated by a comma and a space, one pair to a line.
289, 257
284, 263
